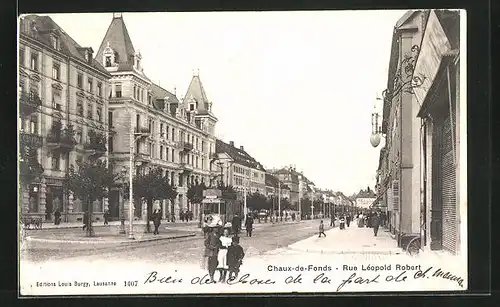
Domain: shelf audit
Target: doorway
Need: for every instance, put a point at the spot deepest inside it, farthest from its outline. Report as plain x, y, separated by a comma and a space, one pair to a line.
114, 205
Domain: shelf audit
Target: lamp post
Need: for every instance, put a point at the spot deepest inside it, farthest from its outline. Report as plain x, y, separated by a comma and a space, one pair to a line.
279, 201
122, 207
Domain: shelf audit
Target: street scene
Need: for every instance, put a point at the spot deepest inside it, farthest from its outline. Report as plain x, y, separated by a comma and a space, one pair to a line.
237, 147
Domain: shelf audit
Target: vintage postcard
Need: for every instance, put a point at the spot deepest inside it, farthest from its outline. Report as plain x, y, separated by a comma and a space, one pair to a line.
242, 152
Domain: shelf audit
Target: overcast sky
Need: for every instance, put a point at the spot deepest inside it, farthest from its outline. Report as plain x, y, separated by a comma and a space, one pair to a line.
291, 87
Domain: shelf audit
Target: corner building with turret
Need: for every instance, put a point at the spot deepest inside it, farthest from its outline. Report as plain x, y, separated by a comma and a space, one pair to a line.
174, 134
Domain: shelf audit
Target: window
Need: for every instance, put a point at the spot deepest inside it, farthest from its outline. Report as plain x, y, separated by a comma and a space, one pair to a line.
202, 146
89, 110
79, 80
79, 107
56, 68
34, 124
191, 107
110, 119
135, 91
151, 150
161, 152
118, 91
173, 155
150, 101
79, 134
173, 134
137, 120
55, 42
166, 154
168, 132
196, 162
99, 89
108, 61
34, 61
110, 144
161, 130
56, 100
56, 162
21, 57
99, 114
89, 84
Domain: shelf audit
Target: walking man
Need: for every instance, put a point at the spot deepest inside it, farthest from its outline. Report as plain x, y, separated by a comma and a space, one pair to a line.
332, 220
348, 219
156, 221
375, 223
249, 225
236, 224
85, 220
321, 229
106, 217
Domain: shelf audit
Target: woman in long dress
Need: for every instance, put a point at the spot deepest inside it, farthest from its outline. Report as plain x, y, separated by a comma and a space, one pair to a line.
222, 267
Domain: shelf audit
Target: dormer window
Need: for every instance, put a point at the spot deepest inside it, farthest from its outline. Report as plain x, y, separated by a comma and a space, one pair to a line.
86, 55
138, 64
191, 107
55, 42
108, 61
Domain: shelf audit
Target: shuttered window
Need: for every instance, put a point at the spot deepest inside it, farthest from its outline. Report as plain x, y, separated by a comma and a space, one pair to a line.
395, 195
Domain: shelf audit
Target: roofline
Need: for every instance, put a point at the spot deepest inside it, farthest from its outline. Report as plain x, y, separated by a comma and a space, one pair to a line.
59, 53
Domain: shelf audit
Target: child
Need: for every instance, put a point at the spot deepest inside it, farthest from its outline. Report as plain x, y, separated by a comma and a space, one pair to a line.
235, 256
321, 229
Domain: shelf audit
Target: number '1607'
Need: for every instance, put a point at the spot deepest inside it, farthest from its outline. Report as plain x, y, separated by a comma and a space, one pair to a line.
131, 283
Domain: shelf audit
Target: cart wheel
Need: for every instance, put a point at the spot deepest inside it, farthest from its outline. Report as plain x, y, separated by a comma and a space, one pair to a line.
413, 247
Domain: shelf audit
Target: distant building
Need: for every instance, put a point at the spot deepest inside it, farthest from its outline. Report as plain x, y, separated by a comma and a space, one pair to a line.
234, 166
290, 177
274, 187
364, 199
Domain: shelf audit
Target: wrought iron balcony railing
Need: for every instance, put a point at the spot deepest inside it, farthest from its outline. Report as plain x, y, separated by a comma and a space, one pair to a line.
185, 146
142, 130
30, 140
186, 167
29, 103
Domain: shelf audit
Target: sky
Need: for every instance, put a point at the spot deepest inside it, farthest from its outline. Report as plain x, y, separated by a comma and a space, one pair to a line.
293, 88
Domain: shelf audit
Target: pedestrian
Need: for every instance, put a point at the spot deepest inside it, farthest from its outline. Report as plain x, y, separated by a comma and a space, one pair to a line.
235, 225
106, 216
348, 220
293, 217
342, 222
321, 229
249, 225
375, 223
57, 216
332, 220
212, 243
361, 220
156, 221
235, 255
222, 266
173, 218
85, 220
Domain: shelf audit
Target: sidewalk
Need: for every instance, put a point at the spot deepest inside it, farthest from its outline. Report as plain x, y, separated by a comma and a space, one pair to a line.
178, 224
105, 235
351, 240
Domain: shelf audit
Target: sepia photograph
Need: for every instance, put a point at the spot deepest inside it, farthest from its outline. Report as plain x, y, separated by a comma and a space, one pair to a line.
242, 152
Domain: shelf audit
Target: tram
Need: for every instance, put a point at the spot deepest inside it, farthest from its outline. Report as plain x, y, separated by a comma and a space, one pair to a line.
218, 212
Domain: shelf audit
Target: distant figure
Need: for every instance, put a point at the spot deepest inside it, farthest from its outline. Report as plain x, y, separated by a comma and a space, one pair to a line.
236, 225
249, 225
293, 217
375, 223
86, 220
235, 255
332, 220
173, 218
106, 216
321, 229
157, 221
348, 220
57, 216
342, 222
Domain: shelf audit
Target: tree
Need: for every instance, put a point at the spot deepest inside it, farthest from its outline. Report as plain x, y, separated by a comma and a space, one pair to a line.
195, 193
305, 205
89, 183
256, 201
152, 186
228, 192
285, 204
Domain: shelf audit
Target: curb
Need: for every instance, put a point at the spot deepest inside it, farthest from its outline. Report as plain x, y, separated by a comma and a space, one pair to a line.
323, 251
108, 242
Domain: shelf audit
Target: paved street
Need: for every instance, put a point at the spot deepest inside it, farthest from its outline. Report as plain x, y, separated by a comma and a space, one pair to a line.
266, 237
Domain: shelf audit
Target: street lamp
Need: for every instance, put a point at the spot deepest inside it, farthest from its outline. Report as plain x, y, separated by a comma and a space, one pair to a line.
122, 206
279, 201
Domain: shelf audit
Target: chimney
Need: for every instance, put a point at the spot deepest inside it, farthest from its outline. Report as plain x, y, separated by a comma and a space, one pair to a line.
231, 143
242, 148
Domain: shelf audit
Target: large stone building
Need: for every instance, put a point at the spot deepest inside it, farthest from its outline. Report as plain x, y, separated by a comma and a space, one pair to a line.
63, 112
290, 177
235, 167
444, 199
418, 168
176, 135
401, 179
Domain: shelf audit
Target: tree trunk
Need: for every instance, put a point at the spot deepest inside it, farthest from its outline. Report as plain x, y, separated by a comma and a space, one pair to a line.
149, 209
90, 228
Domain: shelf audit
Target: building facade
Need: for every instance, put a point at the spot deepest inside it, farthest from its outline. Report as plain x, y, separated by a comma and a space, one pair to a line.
443, 204
400, 175
175, 135
63, 107
235, 167
364, 199
290, 177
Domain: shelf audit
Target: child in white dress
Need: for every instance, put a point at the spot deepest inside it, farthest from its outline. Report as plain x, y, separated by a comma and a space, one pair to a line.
222, 266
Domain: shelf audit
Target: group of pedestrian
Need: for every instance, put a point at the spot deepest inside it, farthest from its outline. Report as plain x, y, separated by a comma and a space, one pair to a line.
185, 216
372, 220
224, 254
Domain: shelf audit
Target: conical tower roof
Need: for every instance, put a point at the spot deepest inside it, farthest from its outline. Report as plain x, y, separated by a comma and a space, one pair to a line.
119, 40
197, 93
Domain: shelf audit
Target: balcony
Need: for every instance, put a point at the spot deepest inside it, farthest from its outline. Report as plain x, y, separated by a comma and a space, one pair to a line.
62, 140
29, 103
186, 146
142, 158
142, 130
30, 140
186, 167
96, 144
